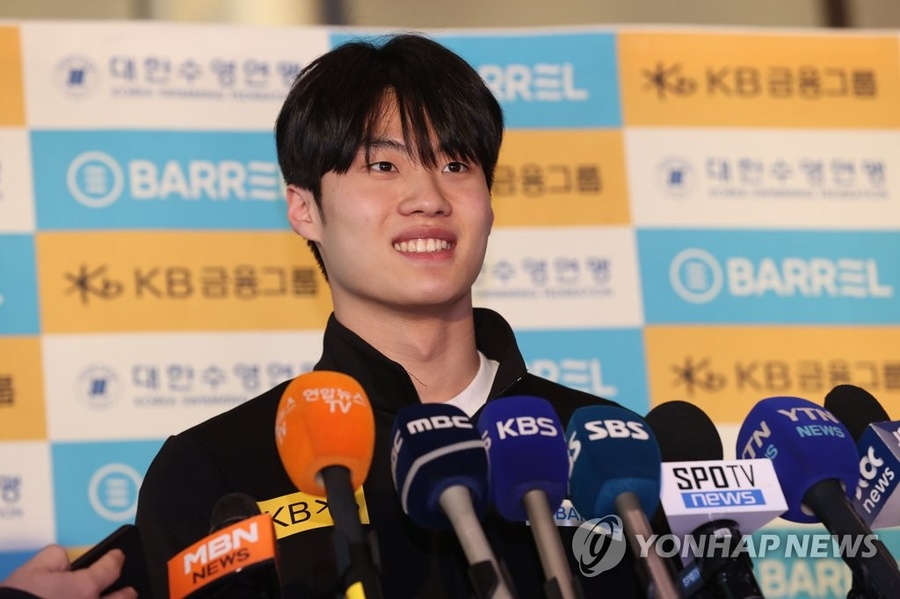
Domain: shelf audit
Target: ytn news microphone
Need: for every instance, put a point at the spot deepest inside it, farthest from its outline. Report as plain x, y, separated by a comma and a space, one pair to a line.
817, 466
712, 501
616, 470
239, 558
529, 478
440, 469
325, 435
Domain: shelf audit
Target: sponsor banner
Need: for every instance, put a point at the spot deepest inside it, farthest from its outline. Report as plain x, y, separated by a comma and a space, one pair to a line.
16, 196
608, 363
96, 487
547, 178
12, 97
121, 75
143, 281
22, 411
153, 385
774, 179
727, 370
759, 79
573, 278
845, 277
157, 179
18, 288
543, 80
26, 498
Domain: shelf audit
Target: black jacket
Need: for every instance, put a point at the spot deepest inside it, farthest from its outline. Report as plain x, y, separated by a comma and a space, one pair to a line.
236, 452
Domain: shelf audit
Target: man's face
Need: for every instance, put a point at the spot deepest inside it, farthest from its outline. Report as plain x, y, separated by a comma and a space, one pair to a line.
399, 234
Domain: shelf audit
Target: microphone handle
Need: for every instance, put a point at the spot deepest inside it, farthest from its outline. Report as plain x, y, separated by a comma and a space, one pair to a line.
635, 522
829, 503
549, 545
456, 502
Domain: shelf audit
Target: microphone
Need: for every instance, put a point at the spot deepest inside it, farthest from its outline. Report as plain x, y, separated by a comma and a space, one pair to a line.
440, 469
878, 447
616, 470
325, 435
529, 477
817, 466
714, 499
239, 558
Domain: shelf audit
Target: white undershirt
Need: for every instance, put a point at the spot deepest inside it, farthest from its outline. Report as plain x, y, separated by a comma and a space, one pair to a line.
475, 395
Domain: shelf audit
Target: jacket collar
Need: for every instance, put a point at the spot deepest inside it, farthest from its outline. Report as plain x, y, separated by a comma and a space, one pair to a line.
386, 382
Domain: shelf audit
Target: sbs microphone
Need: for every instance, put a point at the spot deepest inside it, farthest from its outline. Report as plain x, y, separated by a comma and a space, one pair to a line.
239, 558
325, 435
529, 477
616, 470
817, 466
440, 469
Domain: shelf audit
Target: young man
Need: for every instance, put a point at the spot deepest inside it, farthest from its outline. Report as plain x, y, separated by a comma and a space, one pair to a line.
388, 151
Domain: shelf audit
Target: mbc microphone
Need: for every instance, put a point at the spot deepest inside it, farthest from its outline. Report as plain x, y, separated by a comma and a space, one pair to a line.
711, 499
529, 477
816, 463
616, 470
440, 469
239, 558
878, 445
325, 435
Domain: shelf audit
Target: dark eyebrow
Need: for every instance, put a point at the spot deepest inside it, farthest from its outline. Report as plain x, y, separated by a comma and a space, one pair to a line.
382, 142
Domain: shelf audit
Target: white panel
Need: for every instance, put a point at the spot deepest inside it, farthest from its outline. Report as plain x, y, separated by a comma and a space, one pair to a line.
16, 194
26, 499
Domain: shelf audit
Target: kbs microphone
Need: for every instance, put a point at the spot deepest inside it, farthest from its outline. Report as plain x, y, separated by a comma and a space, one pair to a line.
817, 466
712, 499
529, 477
440, 468
239, 558
616, 470
325, 435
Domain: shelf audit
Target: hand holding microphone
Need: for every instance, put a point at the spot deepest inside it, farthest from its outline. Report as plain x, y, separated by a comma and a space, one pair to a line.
325, 435
529, 476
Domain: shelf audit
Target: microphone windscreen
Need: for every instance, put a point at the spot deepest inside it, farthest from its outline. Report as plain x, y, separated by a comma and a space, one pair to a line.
855, 407
684, 432
436, 446
613, 451
526, 450
806, 444
324, 419
231, 508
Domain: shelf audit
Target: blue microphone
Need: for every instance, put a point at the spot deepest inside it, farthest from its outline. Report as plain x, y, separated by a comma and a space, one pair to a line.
817, 466
440, 469
616, 469
530, 476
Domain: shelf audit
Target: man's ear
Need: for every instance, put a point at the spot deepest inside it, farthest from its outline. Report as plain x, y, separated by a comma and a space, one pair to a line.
303, 213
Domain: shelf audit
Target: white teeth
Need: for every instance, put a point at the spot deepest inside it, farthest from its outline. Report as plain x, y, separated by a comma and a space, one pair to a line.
422, 245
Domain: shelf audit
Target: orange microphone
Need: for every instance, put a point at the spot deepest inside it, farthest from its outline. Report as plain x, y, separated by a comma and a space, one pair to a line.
325, 434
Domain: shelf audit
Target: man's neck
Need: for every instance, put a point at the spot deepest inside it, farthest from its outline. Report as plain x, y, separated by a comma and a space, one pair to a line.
438, 353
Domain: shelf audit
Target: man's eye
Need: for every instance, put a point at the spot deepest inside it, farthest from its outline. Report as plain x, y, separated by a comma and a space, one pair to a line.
455, 167
382, 166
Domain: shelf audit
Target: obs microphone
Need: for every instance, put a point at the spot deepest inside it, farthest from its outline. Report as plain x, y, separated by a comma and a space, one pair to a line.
440, 469
529, 477
616, 469
325, 434
239, 558
817, 466
711, 501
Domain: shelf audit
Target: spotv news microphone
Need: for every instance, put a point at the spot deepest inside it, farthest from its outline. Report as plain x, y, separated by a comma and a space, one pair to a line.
239, 558
440, 468
817, 466
325, 435
878, 445
710, 502
616, 470
529, 477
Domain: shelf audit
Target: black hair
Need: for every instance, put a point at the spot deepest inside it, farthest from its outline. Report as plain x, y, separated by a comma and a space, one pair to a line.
335, 103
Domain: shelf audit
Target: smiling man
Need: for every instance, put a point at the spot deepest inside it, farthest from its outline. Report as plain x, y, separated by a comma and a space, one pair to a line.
388, 150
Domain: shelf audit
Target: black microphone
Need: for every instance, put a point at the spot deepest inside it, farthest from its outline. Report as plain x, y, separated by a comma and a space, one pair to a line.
238, 559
